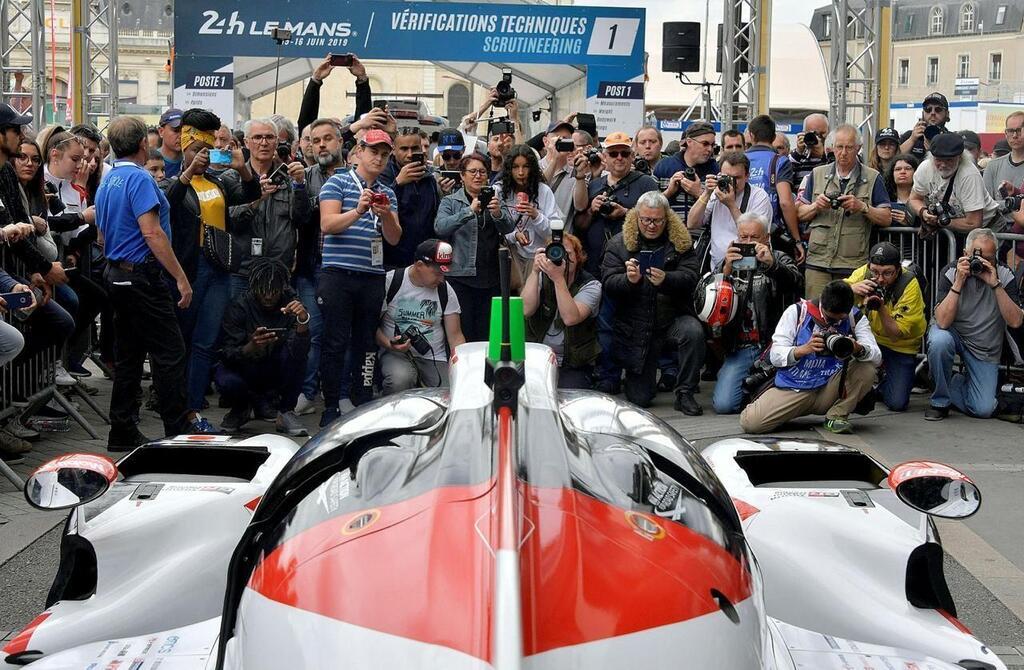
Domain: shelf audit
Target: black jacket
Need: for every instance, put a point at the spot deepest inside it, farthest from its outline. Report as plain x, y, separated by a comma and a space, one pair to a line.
643, 312
769, 292
245, 315
185, 221
13, 211
309, 110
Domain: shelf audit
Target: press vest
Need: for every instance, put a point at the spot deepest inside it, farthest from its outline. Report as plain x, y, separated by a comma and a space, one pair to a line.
812, 371
838, 241
764, 172
580, 348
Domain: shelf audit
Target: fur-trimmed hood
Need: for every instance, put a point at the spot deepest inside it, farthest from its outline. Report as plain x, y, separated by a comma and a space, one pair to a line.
678, 235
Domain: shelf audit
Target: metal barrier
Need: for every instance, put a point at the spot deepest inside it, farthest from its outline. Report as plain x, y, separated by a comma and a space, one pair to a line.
930, 254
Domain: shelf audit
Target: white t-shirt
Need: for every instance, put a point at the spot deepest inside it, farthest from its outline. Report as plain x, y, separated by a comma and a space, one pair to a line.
418, 306
589, 295
723, 227
969, 194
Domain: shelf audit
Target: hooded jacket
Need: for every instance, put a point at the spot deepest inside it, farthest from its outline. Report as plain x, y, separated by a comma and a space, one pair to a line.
643, 311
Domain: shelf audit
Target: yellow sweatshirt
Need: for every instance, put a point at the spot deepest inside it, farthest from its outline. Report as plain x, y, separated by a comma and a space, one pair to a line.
908, 313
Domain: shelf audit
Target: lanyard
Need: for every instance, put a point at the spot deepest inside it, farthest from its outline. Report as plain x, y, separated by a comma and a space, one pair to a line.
359, 182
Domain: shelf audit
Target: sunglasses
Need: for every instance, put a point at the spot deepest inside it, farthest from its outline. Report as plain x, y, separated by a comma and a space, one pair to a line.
934, 108
625, 153
450, 155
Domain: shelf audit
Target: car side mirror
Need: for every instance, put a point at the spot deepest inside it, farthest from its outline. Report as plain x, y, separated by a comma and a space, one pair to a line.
69, 481
935, 489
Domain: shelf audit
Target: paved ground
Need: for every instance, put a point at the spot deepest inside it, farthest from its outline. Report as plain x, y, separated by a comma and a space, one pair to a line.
985, 561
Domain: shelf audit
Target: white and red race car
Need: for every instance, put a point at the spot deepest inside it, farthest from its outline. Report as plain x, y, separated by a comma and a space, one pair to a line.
501, 524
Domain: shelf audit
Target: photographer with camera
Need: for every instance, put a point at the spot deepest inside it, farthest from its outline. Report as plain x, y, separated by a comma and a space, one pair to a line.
649, 271
560, 301
976, 301
726, 197
810, 148
500, 138
647, 145
418, 193
765, 281
562, 146
420, 323
1004, 176
890, 296
474, 222
266, 227
950, 192
363, 117
264, 343
841, 202
681, 176
826, 357
357, 215
934, 117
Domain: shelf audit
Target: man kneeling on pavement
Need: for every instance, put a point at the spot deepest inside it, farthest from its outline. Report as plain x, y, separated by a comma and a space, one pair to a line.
976, 299
890, 296
826, 357
264, 342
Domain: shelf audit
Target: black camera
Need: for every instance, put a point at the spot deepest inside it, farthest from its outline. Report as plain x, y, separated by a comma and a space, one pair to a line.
593, 156
759, 374
833, 200
280, 176
564, 146
875, 299
284, 151
690, 174
977, 267
485, 197
839, 345
939, 211
1012, 203
725, 182
506, 93
930, 132
555, 251
501, 127
413, 336
642, 165
810, 139
608, 206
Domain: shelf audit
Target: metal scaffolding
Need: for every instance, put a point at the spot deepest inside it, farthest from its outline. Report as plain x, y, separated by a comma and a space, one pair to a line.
21, 34
95, 57
861, 65
746, 45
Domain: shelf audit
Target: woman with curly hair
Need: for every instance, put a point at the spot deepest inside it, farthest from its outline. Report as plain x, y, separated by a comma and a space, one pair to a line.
530, 202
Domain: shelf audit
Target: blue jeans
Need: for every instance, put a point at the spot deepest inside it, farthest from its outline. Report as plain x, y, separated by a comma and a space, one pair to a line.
200, 328
973, 393
306, 290
728, 395
898, 379
239, 285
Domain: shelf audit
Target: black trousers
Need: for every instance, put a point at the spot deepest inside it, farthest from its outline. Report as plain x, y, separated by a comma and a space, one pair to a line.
145, 322
476, 309
685, 337
350, 305
281, 374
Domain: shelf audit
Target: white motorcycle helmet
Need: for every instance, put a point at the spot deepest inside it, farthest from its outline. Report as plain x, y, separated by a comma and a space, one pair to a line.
715, 301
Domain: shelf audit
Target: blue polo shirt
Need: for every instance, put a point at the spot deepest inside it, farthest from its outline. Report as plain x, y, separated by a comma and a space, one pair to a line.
126, 193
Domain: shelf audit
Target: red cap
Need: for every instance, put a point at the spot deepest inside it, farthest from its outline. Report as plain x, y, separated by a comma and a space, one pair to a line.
376, 136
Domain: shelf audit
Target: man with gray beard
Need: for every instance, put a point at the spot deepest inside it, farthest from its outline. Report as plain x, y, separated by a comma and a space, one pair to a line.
325, 150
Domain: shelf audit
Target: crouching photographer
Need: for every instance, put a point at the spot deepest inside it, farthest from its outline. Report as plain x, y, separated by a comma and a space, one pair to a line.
265, 339
890, 295
764, 282
560, 301
825, 355
420, 323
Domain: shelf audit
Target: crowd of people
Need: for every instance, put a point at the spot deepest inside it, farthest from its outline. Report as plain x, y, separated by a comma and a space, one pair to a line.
266, 267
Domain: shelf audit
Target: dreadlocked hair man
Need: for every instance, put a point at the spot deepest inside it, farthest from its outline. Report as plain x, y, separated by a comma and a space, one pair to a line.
265, 340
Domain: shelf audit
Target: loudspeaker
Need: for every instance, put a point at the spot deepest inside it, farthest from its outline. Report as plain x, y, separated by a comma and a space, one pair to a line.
680, 46
742, 43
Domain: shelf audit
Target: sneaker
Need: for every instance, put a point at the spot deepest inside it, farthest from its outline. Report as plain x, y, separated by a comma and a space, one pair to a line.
235, 419
264, 410
936, 413
51, 410
838, 425
288, 422
329, 416
304, 405
606, 386
13, 447
666, 383
201, 426
61, 376
50, 425
688, 405
346, 406
125, 439
78, 370
21, 431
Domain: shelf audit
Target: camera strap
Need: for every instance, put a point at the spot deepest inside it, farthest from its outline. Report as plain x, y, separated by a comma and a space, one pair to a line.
949, 189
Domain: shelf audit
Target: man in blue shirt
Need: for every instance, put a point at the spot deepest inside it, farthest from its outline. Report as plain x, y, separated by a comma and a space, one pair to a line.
357, 216
134, 217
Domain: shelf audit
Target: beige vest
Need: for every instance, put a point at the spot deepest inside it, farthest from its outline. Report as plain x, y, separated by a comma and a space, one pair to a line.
839, 241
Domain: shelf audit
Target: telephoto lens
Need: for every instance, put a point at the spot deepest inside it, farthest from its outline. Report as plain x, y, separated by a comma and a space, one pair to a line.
555, 250
839, 346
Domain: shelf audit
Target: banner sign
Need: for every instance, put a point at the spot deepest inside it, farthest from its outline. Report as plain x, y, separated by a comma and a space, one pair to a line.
616, 105
208, 89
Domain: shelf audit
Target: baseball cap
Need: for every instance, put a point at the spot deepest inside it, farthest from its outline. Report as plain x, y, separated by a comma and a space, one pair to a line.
9, 116
936, 98
450, 139
947, 145
555, 125
1001, 148
700, 128
435, 251
971, 139
887, 135
376, 136
617, 139
171, 117
884, 253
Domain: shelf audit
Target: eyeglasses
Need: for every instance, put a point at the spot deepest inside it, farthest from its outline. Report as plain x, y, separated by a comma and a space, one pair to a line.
625, 153
934, 108
885, 274
1014, 131
476, 173
651, 223
262, 139
32, 159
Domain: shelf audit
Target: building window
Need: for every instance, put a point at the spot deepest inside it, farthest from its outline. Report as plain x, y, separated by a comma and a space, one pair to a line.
935, 27
826, 26
963, 66
967, 18
904, 72
933, 70
1001, 15
995, 67
458, 103
908, 24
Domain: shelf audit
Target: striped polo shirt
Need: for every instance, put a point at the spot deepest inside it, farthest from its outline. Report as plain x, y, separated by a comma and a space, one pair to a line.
350, 249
